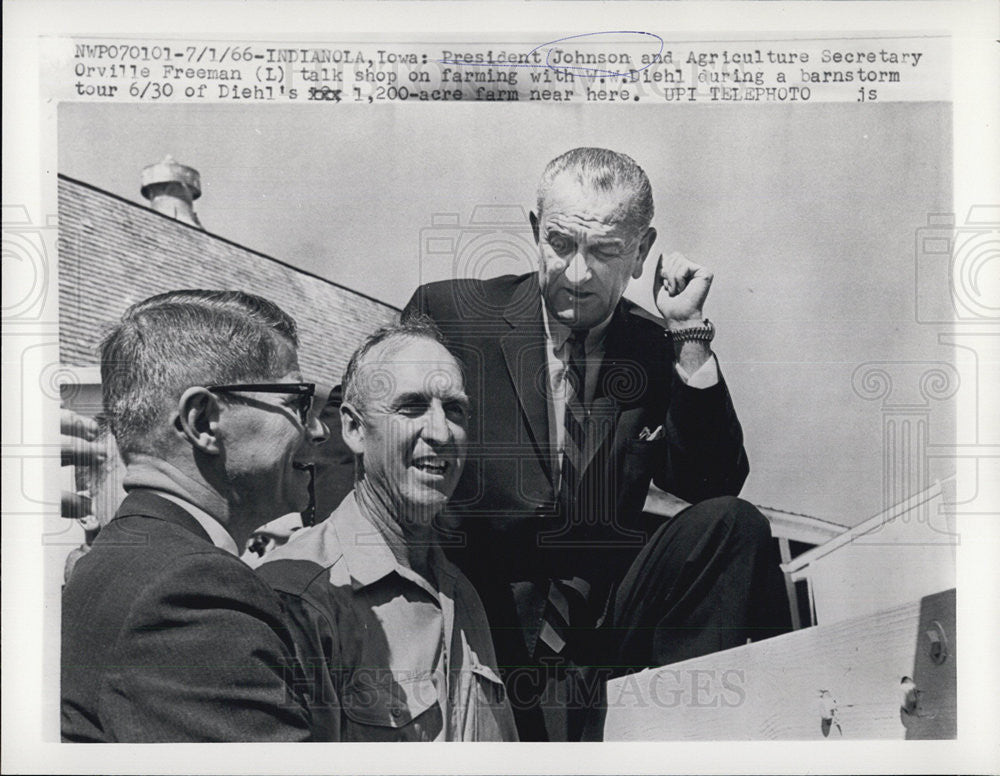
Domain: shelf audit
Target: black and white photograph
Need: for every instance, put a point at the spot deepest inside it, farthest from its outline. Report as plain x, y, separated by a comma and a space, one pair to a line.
628, 389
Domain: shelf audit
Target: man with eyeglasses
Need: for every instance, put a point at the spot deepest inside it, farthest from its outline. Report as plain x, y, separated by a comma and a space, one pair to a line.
393, 636
167, 635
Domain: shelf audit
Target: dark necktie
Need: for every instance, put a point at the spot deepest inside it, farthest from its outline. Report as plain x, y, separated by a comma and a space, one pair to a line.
575, 420
567, 598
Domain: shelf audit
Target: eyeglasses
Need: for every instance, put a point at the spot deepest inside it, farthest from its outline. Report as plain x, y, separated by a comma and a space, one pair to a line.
302, 391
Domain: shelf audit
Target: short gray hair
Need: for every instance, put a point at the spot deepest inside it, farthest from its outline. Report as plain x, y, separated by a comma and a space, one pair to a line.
169, 342
603, 170
358, 391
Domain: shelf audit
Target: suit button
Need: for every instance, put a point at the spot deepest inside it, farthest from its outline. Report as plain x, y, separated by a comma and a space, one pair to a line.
395, 711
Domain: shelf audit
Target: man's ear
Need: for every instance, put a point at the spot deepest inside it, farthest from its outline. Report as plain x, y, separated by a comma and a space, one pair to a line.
645, 244
534, 225
352, 428
197, 420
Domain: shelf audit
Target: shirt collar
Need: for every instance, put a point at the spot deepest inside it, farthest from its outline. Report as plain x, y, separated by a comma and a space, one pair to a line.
219, 536
151, 473
166, 480
369, 557
557, 333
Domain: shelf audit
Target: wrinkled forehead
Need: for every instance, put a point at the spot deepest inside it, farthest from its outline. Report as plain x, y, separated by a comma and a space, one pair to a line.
410, 365
571, 199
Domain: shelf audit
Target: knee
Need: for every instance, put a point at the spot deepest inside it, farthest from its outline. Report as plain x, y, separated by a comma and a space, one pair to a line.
740, 519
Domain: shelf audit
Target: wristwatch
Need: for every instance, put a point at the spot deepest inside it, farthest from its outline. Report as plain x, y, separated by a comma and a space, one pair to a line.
704, 332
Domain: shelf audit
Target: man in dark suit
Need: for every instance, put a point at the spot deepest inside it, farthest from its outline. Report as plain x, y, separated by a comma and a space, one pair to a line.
580, 399
166, 634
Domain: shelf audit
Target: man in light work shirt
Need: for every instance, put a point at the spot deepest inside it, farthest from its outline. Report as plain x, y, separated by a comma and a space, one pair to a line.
392, 635
584, 398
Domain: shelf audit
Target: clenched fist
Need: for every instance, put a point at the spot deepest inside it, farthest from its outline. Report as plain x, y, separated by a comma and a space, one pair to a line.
679, 290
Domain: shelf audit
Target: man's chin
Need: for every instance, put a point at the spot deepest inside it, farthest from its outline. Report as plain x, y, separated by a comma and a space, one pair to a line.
429, 501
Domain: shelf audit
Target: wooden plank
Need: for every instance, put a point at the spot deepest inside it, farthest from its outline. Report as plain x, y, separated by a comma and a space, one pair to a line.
793, 600
839, 681
874, 526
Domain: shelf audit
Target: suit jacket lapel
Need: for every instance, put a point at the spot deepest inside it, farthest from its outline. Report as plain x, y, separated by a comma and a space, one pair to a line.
524, 352
605, 409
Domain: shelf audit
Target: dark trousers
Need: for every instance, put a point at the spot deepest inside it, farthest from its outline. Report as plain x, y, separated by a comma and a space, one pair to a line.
707, 580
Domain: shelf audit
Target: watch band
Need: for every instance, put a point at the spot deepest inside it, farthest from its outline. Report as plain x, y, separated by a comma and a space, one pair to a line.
704, 332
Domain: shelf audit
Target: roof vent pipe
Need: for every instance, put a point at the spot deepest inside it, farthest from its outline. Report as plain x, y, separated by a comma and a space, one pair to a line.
171, 189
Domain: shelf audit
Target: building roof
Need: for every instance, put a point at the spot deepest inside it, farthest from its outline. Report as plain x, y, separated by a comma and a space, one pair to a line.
873, 523
114, 252
800, 527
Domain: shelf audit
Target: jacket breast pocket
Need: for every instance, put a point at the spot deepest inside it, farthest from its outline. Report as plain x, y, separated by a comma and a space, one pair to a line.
645, 447
641, 461
641, 456
384, 709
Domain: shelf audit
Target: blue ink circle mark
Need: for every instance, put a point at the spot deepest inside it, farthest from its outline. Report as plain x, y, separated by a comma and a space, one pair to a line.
633, 74
569, 69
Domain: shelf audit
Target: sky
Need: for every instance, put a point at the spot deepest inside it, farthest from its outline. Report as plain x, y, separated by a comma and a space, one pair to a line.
807, 214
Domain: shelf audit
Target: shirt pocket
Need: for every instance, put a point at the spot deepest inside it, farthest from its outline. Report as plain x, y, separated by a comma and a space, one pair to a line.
384, 709
492, 717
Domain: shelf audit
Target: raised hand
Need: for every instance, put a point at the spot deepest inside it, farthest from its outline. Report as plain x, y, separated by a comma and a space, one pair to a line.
680, 288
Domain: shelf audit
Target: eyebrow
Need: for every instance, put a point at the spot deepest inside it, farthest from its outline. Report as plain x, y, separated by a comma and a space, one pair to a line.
599, 241
461, 398
417, 396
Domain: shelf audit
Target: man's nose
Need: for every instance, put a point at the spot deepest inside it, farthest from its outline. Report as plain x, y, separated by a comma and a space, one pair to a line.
317, 431
577, 270
436, 428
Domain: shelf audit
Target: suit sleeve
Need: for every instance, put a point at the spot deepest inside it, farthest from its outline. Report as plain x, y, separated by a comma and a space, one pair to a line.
448, 303
418, 304
704, 443
204, 656
317, 651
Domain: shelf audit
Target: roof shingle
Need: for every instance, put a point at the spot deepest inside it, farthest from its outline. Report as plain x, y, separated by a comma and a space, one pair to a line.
113, 253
